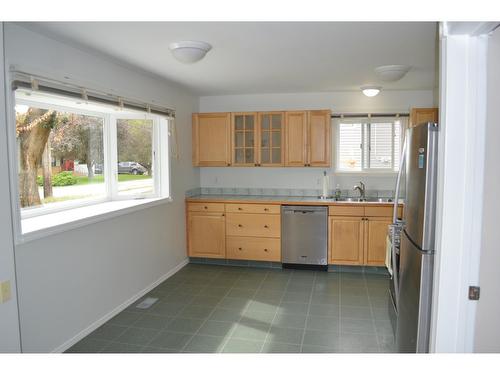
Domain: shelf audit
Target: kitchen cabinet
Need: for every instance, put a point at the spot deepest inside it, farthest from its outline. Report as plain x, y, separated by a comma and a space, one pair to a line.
357, 234
270, 150
211, 139
345, 240
206, 231
244, 139
420, 115
307, 138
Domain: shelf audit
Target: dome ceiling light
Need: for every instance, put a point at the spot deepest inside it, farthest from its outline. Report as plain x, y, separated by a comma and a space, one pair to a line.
189, 51
371, 91
391, 73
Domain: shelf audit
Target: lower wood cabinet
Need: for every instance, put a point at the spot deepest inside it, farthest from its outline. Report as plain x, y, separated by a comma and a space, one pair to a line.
206, 234
346, 240
253, 248
355, 239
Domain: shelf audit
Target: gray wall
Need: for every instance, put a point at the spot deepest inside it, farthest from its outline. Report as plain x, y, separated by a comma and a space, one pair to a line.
9, 324
487, 330
69, 281
307, 178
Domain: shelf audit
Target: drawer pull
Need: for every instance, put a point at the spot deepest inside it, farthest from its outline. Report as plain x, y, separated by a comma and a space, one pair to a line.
205, 207
266, 226
240, 209
266, 209
266, 250
239, 225
239, 248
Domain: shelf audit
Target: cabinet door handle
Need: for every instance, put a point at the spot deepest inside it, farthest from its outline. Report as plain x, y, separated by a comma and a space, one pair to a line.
266, 226
240, 209
266, 209
205, 207
239, 225
228, 164
239, 248
266, 250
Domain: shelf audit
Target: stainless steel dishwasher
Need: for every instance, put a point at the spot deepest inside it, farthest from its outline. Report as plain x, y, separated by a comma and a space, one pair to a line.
304, 232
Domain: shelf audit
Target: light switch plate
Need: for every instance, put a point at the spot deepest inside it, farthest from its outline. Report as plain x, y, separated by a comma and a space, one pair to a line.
5, 293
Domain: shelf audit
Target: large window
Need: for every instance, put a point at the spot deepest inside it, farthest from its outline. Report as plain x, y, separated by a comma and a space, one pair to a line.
72, 154
368, 145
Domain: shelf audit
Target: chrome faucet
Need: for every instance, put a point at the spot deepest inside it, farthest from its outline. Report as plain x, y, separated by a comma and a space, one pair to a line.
361, 188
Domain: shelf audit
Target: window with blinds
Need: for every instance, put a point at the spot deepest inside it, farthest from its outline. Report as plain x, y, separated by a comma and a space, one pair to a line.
368, 145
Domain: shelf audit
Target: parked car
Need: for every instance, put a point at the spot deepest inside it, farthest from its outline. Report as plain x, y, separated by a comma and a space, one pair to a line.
131, 167
98, 168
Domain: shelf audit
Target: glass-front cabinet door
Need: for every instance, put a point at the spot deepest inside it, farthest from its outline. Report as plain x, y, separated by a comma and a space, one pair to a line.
270, 150
244, 131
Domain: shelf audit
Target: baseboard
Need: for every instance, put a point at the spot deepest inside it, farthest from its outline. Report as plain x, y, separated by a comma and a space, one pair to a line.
68, 344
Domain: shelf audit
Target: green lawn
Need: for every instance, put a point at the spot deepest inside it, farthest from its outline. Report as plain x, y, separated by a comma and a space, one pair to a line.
84, 180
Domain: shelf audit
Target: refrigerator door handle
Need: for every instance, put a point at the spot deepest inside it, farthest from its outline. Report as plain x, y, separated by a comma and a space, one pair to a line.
402, 161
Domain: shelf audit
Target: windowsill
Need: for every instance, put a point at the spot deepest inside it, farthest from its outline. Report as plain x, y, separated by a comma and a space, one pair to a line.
45, 225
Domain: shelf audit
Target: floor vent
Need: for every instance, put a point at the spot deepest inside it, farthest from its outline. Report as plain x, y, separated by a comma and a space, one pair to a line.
147, 303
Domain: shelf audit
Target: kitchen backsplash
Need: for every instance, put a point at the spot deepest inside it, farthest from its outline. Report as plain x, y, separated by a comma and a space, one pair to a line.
283, 192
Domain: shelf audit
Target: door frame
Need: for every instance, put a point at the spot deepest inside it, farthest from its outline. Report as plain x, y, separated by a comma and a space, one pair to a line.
463, 56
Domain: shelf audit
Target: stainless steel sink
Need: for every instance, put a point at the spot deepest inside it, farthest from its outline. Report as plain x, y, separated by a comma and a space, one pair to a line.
376, 200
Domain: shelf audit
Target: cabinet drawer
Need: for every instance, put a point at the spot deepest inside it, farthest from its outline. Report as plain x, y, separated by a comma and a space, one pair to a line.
254, 225
346, 210
253, 208
206, 207
253, 248
382, 211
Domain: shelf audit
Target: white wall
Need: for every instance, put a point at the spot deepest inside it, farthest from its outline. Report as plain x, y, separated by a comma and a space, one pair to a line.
9, 323
70, 280
487, 327
306, 178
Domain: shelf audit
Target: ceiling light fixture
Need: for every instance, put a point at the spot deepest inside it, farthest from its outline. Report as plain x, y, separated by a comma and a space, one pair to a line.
189, 51
391, 73
371, 91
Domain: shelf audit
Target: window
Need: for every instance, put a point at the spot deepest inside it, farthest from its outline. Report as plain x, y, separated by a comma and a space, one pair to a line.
72, 154
368, 145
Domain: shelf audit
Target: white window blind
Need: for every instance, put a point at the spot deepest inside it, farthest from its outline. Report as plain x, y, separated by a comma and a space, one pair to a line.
368, 144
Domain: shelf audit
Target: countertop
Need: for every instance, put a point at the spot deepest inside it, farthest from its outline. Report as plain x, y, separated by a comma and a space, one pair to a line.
278, 199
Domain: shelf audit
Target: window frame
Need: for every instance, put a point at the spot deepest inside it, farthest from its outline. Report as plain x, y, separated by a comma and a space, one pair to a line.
365, 135
160, 159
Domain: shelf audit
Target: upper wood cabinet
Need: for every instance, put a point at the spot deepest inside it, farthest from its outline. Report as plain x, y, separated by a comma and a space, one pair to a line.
267, 139
211, 139
307, 138
420, 115
244, 139
270, 150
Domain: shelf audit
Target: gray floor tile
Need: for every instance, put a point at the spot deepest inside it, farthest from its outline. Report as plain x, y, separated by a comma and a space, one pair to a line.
118, 347
250, 331
324, 310
279, 347
171, 340
356, 301
225, 315
293, 308
358, 326
262, 306
88, 345
387, 344
167, 308
214, 328
326, 288
179, 298
322, 338
202, 300
324, 323
269, 296
353, 291
381, 313
316, 349
383, 327
296, 297
242, 346
234, 303
257, 316
352, 312
352, 343
285, 335
325, 299
214, 291
125, 318
151, 349
196, 312
152, 321
241, 293
184, 325
380, 302
299, 287
137, 336
107, 332
289, 320
204, 344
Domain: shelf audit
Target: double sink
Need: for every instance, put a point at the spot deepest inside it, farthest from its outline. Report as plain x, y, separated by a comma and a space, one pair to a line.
357, 200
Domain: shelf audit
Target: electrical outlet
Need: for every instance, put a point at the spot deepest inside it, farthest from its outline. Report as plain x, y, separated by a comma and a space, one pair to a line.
5, 293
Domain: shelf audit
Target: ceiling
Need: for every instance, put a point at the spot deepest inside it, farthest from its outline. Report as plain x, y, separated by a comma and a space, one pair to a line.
265, 57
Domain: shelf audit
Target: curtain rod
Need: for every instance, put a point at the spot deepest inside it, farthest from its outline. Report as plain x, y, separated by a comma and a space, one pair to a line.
353, 115
42, 84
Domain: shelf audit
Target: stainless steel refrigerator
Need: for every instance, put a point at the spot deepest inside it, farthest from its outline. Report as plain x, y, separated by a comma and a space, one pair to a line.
417, 239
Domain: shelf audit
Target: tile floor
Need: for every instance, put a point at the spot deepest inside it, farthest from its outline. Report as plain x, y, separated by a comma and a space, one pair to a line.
208, 309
